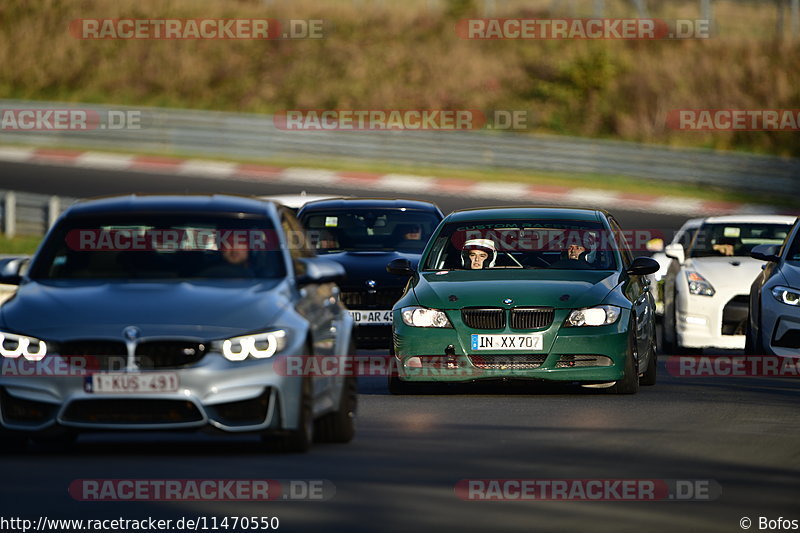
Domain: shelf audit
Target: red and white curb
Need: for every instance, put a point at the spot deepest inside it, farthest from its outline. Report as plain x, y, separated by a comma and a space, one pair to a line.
394, 183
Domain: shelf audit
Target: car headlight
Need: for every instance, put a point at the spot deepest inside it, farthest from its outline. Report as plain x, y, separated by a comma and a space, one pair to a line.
422, 317
257, 346
13, 345
786, 295
698, 284
602, 315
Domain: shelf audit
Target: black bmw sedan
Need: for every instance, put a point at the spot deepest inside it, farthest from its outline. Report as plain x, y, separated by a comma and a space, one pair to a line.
364, 235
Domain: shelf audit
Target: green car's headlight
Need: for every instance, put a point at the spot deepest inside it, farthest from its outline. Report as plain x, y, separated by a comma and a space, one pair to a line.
787, 295
257, 346
602, 315
13, 345
422, 317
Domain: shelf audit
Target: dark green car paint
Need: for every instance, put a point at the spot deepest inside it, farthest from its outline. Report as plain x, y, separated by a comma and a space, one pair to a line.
564, 290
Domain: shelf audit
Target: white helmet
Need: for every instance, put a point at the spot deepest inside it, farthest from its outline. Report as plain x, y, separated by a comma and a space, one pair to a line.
484, 245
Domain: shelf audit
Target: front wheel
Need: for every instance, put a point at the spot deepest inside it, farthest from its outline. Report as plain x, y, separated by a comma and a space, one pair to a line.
649, 377
340, 425
296, 440
629, 383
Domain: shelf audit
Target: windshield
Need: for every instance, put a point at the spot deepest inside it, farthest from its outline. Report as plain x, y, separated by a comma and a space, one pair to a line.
794, 248
338, 230
150, 246
528, 244
735, 239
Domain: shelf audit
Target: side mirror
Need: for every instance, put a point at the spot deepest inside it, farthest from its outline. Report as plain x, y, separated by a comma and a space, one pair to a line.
642, 266
766, 252
11, 270
400, 267
320, 271
676, 251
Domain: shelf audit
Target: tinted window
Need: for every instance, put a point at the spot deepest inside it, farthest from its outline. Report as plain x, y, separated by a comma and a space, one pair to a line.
159, 246
794, 248
349, 229
721, 240
551, 244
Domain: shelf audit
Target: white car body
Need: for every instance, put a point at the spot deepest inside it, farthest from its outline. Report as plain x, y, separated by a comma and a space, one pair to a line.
664, 261
701, 321
296, 201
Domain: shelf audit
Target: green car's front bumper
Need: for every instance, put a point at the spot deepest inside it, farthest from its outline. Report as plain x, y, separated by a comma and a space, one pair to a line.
445, 354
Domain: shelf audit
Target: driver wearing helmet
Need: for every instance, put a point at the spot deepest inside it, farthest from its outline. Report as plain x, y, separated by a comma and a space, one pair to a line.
477, 254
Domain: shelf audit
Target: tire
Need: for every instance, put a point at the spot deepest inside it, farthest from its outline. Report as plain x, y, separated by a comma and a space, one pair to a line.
675, 343
753, 344
648, 379
668, 327
339, 426
629, 384
749, 344
296, 440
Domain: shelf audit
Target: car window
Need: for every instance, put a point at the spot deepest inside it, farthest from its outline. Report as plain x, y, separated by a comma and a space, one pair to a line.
297, 241
348, 229
735, 239
794, 248
522, 244
161, 246
627, 255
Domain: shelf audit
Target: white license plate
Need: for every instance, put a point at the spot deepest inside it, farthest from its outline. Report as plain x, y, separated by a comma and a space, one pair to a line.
372, 317
131, 382
529, 342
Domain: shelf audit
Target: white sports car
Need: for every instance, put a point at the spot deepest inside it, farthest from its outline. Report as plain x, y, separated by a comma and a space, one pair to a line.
706, 290
683, 236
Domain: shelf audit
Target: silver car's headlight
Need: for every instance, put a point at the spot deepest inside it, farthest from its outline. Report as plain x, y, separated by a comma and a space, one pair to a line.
422, 317
698, 284
13, 345
786, 295
602, 315
257, 346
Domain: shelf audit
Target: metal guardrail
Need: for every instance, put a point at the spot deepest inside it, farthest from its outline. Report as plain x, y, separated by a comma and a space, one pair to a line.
30, 214
208, 133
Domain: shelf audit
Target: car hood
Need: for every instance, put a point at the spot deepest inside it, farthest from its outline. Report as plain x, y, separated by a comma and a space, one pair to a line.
363, 266
791, 274
66, 310
553, 288
734, 273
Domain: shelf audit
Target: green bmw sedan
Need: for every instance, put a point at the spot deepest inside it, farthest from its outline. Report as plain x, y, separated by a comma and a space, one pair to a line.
535, 293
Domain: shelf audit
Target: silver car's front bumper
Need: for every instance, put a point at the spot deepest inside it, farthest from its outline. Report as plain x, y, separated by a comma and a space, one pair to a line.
216, 393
